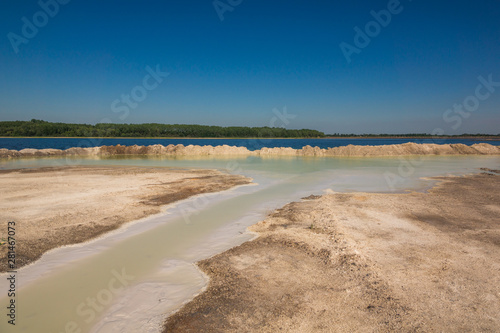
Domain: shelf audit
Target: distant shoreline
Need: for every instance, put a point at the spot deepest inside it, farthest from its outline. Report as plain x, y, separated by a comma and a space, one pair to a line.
458, 137
486, 137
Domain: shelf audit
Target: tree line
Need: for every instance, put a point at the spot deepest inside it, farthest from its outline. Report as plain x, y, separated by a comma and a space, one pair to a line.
41, 128
409, 135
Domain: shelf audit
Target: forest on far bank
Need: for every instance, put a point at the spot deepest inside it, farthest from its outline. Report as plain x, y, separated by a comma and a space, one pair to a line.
41, 128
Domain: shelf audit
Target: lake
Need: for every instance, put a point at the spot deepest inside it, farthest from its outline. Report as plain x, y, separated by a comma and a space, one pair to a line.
251, 144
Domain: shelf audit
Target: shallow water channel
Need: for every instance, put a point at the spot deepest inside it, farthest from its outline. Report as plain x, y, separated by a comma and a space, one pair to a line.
130, 279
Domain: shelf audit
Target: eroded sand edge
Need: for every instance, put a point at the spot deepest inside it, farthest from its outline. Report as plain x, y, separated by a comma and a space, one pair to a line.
361, 262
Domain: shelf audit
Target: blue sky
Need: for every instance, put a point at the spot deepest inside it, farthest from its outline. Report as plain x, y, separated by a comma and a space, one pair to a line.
82, 63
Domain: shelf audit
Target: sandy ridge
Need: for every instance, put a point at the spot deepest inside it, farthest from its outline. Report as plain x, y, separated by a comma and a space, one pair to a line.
409, 148
361, 262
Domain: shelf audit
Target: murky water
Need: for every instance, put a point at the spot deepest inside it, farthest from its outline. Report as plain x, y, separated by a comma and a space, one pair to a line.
128, 280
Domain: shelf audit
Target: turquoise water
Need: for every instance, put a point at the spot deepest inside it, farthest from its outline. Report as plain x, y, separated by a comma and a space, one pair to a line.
128, 280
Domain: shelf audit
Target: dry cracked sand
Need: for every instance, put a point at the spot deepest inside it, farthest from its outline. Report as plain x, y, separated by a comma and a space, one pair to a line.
362, 262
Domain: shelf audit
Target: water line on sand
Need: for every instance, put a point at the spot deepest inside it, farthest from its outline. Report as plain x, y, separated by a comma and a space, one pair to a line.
131, 278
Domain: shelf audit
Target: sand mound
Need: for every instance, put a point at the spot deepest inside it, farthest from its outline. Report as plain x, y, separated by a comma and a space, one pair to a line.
409, 148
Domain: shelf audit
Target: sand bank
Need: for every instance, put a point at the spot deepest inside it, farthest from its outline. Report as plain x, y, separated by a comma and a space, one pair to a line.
224, 150
59, 206
351, 262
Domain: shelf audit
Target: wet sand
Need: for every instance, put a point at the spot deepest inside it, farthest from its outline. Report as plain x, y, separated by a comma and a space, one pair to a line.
362, 262
59, 206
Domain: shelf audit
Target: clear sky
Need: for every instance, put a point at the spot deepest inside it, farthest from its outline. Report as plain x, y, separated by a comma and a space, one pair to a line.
232, 62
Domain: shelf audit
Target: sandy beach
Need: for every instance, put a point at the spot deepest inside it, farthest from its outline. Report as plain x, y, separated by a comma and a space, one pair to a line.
57, 206
362, 262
